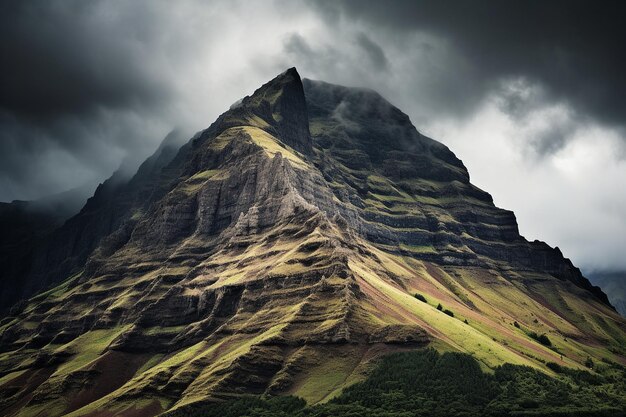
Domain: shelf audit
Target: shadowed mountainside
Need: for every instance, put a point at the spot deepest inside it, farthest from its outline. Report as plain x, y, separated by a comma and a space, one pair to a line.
614, 284
24, 225
280, 251
47, 240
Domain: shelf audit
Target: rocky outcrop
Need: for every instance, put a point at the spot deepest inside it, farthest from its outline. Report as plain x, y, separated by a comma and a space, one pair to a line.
279, 107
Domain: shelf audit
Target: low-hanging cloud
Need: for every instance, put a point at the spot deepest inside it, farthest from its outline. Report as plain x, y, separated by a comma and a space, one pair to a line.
573, 50
375, 53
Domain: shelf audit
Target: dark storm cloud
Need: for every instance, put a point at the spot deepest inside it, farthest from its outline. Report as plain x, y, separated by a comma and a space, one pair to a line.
574, 50
69, 57
334, 58
553, 138
374, 52
296, 44
521, 101
73, 88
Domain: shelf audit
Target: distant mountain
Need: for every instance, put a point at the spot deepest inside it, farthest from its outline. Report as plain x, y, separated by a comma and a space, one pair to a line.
24, 225
45, 241
614, 285
22, 219
308, 232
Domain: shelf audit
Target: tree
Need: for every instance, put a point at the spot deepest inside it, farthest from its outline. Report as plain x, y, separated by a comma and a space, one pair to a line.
555, 367
420, 297
543, 339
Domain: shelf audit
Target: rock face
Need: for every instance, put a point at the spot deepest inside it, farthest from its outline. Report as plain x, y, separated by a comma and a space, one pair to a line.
279, 252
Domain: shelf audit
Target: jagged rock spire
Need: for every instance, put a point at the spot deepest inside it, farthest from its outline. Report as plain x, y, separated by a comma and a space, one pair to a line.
291, 106
281, 103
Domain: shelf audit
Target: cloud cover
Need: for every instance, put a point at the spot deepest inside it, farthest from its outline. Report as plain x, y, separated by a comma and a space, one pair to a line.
528, 94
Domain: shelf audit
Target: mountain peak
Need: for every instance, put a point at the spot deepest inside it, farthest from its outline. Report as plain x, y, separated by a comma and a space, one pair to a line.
287, 104
278, 107
289, 72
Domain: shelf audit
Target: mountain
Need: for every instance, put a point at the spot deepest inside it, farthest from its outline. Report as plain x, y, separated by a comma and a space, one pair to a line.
24, 225
47, 240
614, 283
308, 232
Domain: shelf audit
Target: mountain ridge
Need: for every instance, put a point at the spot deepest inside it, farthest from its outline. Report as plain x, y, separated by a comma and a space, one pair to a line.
279, 252
62, 249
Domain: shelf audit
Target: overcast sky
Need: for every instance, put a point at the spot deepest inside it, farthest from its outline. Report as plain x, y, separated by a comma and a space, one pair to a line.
529, 94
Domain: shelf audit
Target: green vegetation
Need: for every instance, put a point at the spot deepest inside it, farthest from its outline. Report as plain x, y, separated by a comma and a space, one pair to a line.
272, 146
444, 310
86, 348
203, 175
541, 338
247, 406
418, 249
421, 298
427, 383
555, 367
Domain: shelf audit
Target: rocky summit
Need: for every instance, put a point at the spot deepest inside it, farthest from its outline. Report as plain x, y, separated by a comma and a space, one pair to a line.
308, 232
